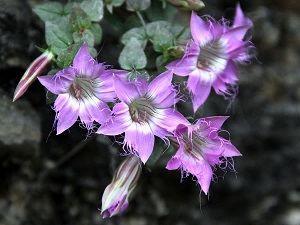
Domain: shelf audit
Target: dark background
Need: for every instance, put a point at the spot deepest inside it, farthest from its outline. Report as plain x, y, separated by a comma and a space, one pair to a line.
59, 180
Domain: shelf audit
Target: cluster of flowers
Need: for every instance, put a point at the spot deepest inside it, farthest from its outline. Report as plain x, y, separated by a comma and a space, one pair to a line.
143, 110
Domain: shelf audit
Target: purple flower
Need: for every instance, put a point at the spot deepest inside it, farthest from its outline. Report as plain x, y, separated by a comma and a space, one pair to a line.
199, 148
144, 111
82, 91
210, 60
115, 196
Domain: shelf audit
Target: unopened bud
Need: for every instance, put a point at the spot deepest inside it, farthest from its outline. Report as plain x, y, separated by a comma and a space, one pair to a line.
175, 52
35, 69
115, 196
188, 4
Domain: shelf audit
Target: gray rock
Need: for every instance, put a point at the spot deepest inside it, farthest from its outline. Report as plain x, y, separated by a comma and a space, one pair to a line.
20, 130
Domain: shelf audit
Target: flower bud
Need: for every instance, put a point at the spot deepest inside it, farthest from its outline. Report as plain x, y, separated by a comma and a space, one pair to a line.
188, 4
35, 69
175, 52
115, 196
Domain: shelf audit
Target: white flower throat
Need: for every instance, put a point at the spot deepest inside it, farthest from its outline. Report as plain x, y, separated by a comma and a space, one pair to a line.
213, 57
83, 88
141, 110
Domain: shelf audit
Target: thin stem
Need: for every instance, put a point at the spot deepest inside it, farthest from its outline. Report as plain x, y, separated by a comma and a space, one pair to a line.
141, 19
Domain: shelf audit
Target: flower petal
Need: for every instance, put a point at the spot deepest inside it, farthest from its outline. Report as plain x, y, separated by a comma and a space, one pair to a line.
129, 91
204, 178
200, 90
200, 29
173, 164
240, 19
212, 122
229, 149
106, 88
119, 122
60, 82
168, 119
67, 109
85, 65
161, 91
140, 137
188, 63
93, 109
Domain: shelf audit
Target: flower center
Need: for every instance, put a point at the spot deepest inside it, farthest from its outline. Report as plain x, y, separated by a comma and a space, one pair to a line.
141, 110
213, 57
82, 88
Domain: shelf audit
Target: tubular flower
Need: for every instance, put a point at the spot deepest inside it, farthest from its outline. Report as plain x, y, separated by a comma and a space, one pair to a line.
82, 91
199, 148
115, 196
35, 69
144, 111
210, 60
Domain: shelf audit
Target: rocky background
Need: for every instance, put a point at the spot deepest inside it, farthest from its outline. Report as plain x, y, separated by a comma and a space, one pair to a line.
59, 180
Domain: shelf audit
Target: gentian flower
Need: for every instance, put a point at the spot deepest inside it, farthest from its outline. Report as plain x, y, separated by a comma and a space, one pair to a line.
82, 90
33, 71
210, 60
144, 111
199, 148
115, 196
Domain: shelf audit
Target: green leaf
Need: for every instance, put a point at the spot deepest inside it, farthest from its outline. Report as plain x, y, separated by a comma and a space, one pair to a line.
134, 74
93, 51
68, 8
162, 40
138, 33
132, 56
97, 32
113, 3
79, 19
154, 27
86, 37
161, 11
57, 36
49, 11
66, 56
137, 5
159, 150
52, 72
50, 97
161, 62
180, 32
94, 8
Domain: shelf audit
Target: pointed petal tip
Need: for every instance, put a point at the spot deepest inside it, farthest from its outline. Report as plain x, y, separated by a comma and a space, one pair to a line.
19, 91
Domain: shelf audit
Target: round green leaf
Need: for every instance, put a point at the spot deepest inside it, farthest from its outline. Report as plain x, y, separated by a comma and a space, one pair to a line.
132, 56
